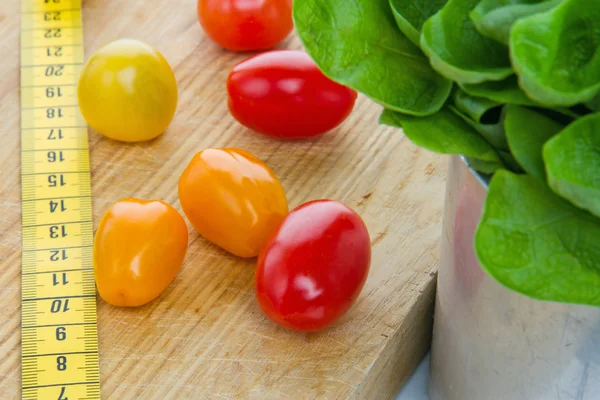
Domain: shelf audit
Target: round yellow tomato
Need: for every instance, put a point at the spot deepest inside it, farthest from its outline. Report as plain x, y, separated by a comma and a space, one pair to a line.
138, 250
233, 199
127, 91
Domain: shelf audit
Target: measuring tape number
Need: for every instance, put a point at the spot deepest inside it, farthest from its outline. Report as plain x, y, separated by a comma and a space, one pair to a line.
59, 331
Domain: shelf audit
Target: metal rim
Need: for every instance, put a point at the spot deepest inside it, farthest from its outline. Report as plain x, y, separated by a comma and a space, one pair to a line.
484, 179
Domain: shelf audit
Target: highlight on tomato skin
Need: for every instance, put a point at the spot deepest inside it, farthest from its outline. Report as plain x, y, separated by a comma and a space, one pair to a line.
138, 249
313, 266
246, 25
232, 199
283, 94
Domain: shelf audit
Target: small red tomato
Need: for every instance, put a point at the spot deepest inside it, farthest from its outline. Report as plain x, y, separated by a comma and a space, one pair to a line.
246, 25
313, 266
285, 95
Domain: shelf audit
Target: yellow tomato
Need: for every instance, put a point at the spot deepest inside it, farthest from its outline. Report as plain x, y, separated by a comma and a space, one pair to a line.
138, 250
232, 199
127, 91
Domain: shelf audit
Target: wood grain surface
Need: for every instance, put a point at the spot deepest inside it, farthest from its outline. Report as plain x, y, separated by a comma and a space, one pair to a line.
205, 337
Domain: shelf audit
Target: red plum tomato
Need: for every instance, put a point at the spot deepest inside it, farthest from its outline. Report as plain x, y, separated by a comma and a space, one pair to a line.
246, 25
313, 266
284, 94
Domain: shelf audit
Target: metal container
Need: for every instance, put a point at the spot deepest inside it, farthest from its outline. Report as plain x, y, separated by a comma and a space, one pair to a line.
490, 343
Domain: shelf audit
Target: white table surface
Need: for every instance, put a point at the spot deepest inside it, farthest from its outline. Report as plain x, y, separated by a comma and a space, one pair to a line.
416, 387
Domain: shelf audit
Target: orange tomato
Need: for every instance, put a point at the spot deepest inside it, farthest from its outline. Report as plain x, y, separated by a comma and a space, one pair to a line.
233, 199
138, 250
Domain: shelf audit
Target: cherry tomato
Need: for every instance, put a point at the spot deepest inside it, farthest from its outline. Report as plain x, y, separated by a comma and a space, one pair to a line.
285, 95
313, 266
232, 199
127, 91
138, 249
246, 25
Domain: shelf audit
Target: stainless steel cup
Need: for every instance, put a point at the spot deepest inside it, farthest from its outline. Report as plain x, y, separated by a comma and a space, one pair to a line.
490, 343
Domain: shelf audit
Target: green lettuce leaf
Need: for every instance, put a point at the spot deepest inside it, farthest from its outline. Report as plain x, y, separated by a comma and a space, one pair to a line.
480, 109
536, 243
527, 131
458, 51
557, 54
504, 91
510, 161
484, 167
594, 104
411, 15
572, 161
358, 44
444, 132
494, 18
493, 133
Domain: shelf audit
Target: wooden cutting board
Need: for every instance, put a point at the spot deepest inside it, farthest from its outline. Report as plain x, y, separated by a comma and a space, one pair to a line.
205, 337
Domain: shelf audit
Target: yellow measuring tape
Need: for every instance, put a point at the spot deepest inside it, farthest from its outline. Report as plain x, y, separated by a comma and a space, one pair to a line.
59, 331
